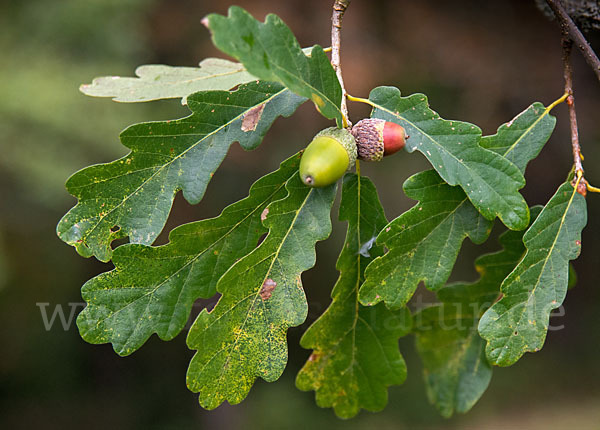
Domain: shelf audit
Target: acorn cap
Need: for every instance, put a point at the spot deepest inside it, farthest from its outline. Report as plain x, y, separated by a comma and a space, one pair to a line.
368, 133
344, 138
376, 138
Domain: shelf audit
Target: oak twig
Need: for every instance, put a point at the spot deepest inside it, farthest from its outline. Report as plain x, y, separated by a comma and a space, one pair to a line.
567, 45
571, 31
339, 8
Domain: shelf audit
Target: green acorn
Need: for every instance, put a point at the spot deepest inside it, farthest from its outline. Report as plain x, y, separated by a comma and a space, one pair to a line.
324, 161
376, 138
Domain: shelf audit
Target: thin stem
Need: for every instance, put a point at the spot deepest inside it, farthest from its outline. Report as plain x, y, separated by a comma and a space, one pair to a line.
339, 8
567, 45
592, 189
357, 167
557, 102
360, 100
570, 30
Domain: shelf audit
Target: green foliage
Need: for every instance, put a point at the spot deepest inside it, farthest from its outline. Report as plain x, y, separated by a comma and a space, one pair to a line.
244, 336
423, 242
518, 323
159, 82
132, 197
271, 52
355, 355
356, 352
455, 368
492, 268
522, 139
152, 289
452, 147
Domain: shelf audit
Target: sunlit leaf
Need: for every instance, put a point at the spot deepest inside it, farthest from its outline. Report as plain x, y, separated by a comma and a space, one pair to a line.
157, 81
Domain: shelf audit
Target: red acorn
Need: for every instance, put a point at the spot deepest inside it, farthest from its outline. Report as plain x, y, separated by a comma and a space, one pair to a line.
376, 138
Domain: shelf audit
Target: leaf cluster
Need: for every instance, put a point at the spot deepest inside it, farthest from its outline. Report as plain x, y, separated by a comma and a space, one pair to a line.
252, 256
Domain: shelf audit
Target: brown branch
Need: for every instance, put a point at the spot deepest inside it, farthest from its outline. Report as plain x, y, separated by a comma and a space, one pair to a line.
570, 29
567, 45
339, 8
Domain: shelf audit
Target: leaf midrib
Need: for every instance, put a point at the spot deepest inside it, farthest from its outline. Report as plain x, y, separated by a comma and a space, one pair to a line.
527, 131
475, 173
548, 255
274, 256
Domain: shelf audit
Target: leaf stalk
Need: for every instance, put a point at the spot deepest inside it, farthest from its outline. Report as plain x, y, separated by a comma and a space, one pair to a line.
360, 100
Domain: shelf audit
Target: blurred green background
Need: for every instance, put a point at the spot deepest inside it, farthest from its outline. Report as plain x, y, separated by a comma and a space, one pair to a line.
479, 61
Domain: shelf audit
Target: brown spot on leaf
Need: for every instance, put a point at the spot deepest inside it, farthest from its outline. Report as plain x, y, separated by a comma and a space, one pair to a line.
252, 117
263, 215
267, 289
313, 357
